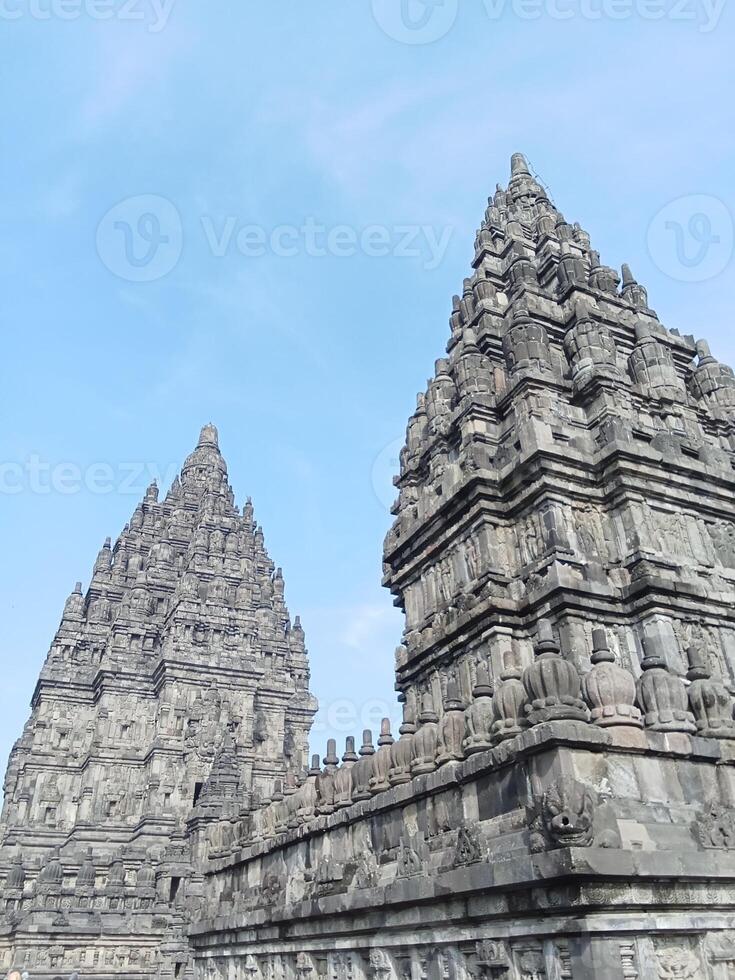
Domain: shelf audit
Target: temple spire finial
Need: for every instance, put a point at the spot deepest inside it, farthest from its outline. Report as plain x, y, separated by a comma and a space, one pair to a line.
209, 436
519, 166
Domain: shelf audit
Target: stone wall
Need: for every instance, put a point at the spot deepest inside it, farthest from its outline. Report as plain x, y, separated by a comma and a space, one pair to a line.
570, 851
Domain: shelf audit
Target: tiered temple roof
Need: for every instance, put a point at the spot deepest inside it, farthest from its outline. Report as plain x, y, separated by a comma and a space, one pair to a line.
176, 690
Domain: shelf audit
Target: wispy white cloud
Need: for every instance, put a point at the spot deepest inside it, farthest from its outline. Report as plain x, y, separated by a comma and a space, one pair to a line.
130, 67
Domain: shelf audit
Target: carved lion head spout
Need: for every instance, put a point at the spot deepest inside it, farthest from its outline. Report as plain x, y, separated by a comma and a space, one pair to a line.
568, 814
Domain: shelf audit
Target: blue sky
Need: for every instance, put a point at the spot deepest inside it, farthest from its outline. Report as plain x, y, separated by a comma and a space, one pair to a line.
272, 156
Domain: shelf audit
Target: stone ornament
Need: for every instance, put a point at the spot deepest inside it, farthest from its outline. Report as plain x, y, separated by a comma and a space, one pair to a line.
343, 776
564, 817
451, 726
609, 689
509, 702
424, 745
678, 964
381, 967
663, 696
381, 768
715, 827
479, 716
552, 684
401, 752
362, 772
492, 958
469, 848
709, 700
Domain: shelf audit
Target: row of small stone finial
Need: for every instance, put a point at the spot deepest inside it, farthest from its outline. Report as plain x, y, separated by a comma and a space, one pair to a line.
549, 690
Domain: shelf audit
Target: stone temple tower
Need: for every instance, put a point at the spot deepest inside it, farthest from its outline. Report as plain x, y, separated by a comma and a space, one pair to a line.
560, 804
176, 691
564, 462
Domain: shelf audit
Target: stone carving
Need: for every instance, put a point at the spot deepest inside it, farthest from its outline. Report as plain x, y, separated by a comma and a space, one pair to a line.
715, 827
493, 958
609, 689
564, 817
305, 969
479, 716
709, 699
451, 727
272, 888
401, 752
366, 870
381, 768
526, 344
590, 349
662, 695
469, 848
410, 860
343, 776
424, 743
532, 966
251, 968
678, 963
362, 772
552, 683
652, 366
380, 964
509, 702
325, 782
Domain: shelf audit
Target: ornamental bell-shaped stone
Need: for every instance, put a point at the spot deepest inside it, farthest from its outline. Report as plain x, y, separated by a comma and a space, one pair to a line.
662, 695
451, 728
401, 753
363, 769
552, 683
709, 699
343, 776
426, 738
479, 716
379, 780
608, 688
509, 701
